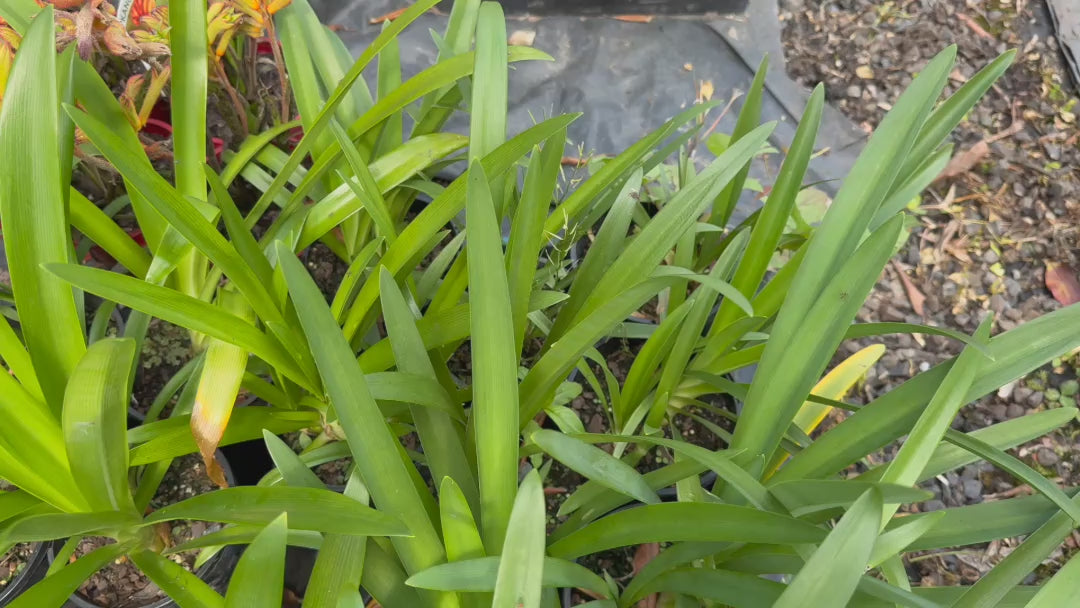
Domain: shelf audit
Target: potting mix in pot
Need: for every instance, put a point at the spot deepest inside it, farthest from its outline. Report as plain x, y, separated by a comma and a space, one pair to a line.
455, 362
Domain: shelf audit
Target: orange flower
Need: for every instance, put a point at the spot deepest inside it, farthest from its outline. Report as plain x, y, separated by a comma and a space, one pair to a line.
142, 8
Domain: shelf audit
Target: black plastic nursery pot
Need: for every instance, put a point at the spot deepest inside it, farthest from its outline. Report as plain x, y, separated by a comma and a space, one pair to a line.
33, 572
216, 572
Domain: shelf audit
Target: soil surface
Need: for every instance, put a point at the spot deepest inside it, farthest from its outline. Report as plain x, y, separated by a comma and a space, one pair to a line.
14, 561
593, 412
994, 236
166, 350
121, 584
334, 473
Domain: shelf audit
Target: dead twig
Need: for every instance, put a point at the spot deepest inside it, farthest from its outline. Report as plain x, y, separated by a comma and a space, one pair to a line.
974, 26
388, 16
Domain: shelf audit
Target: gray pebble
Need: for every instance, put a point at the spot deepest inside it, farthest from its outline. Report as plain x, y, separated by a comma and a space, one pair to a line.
1036, 398
949, 289
933, 505
999, 411
991, 256
973, 489
1048, 457
998, 303
1021, 393
854, 91
893, 315
1015, 410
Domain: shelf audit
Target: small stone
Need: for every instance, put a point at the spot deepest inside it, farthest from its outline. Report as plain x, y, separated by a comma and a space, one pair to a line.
973, 489
854, 91
1021, 393
893, 315
864, 72
1036, 398
999, 411
1015, 410
933, 505
949, 289
1006, 390
1047, 457
991, 257
962, 319
998, 303
1069, 388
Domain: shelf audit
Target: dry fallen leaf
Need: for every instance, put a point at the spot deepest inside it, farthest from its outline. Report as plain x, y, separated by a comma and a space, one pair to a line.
645, 554
634, 18
705, 91
642, 556
915, 296
522, 38
965, 161
1062, 283
864, 72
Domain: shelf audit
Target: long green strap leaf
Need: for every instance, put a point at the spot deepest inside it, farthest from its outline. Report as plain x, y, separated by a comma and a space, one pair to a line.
832, 572
185, 311
439, 212
182, 587
441, 439
769, 227
258, 581
95, 424
521, 562
595, 464
382, 470
494, 363
1015, 353
685, 521
312, 134
33, 214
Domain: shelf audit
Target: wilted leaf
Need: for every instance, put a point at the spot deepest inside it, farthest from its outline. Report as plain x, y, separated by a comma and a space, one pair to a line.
645, 554
915, 296
965, 161
522, 38
1061, 281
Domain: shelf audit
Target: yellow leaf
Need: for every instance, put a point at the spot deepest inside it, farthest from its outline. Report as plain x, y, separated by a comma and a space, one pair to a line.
219, 385
864, 72
835, 385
